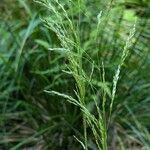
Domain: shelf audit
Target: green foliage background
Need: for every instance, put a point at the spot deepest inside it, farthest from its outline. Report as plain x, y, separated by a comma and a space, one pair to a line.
31, 118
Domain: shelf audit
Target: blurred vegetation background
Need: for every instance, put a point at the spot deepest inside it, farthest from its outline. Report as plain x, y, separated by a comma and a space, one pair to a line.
32, 119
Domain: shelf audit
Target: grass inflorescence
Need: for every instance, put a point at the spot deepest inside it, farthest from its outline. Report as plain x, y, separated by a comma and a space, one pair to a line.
74, 75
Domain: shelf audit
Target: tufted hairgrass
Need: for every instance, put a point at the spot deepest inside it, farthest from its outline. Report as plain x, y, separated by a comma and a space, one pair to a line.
74, 75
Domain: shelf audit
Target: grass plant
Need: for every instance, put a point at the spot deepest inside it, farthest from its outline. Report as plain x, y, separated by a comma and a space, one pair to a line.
74, 75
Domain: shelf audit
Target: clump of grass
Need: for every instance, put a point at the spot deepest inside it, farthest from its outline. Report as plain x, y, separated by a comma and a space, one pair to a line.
71, 46
74, 57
